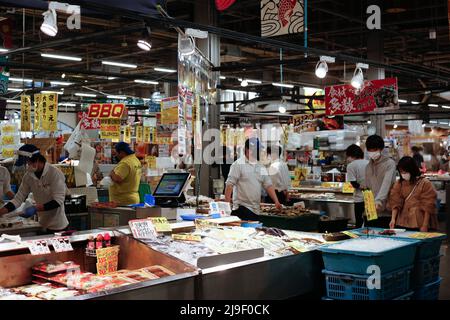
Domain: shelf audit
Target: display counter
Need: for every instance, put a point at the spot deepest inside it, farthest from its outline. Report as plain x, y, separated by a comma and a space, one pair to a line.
19, 226
16, 265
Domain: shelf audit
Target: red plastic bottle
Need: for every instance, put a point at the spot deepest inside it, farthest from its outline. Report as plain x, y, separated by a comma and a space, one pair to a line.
107, 240
99, 242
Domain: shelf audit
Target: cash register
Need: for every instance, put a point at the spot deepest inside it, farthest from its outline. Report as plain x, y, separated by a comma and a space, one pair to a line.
169, 191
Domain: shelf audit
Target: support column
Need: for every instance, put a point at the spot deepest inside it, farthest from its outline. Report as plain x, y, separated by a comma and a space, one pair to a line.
375, 52
205, 13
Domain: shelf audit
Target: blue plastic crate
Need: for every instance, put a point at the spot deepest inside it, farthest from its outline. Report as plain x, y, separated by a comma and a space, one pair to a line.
427, 248
426, 271
408, 296
345, 286
356, 262
429, 291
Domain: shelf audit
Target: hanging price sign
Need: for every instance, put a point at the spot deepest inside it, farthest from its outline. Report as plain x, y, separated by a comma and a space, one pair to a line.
25, 116
146, 135
127, 134
139, 133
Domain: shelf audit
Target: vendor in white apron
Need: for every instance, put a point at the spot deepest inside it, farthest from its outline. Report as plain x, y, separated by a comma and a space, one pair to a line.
47, 183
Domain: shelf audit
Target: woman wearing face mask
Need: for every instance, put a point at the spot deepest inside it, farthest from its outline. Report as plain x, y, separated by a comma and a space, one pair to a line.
412, 199
380, 176
47, 183
356, 171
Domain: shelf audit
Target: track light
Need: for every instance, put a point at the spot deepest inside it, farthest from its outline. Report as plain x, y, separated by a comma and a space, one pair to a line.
244, 83
395, 126
369, 122
50, 24
424, 125
145, 43
358, 78
281, 109
321, 69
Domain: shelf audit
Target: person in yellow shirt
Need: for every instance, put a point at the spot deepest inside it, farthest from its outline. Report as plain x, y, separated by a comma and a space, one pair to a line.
126, 176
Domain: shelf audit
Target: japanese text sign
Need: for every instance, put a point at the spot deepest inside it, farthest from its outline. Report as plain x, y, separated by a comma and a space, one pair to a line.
344, 99
106, 110
143, 229
25, 113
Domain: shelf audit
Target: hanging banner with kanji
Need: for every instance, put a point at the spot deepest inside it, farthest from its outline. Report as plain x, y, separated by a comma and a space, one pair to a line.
374, 94
25, 113
146, 135
49, 112
280, 17
37, 112
139, 133
127, 134
88, 123
110, 129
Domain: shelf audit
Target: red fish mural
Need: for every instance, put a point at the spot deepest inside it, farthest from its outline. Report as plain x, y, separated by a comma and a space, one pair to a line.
224, 4
286, 7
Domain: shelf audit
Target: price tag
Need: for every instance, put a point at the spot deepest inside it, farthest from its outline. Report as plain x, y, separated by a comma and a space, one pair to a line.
350, 234
425, 235
347, 188
369, 205
161, 224
222, 208
38, 247
297, 246
143, 229
186, 237
204, 224
61, 244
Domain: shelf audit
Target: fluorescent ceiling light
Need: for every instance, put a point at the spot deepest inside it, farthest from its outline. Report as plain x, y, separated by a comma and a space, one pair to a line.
145, 81
165, 70
119, 64
433, 122
251, 81
61, 83
20, 79
3, 50
446, 107
13, 101
48, 91
80, 94
15, 89
117, 97
276, 84
402, 101
112, 78
236, 91
222, 77
433, 105
415, 102
61, 57
67, 104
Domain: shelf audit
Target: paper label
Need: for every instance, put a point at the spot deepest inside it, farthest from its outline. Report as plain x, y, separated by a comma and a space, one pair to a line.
186, 237
205, 224
61, 244
161, 224
38, 247
425, 235
347, 188
107, 260
350, 234
143, 229
369, 204
222, 208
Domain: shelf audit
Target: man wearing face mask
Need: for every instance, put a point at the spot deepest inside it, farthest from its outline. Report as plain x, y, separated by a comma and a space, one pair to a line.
126, 176
47, 183
379, 177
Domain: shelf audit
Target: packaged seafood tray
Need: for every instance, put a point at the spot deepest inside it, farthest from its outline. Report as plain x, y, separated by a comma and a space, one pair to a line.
344, 286
429, 291
51, 268
429, 246
356, 255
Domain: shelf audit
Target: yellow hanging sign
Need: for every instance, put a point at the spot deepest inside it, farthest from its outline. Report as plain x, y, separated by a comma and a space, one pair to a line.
49, 111
146, 135
151, 162
369, 204
37, 112
139, 133
127, 134
8, 152
25, 113
110, 129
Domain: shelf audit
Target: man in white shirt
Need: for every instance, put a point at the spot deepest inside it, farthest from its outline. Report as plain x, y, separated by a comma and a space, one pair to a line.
47, 183
244, 181
279, 173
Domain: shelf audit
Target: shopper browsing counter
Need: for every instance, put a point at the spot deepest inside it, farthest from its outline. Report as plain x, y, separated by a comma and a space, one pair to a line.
47, 183
126, 176
245, 180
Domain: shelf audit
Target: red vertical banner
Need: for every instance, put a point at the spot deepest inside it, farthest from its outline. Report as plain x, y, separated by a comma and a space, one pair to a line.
375, 94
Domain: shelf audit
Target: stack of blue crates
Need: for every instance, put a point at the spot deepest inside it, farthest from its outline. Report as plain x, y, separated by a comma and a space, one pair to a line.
425, 280
349, 274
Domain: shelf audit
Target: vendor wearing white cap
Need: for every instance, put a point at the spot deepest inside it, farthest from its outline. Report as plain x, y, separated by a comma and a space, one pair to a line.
47, 183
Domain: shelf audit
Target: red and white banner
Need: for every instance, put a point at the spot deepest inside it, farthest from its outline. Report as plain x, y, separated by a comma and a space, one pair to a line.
88, 123
106, 110
375, 94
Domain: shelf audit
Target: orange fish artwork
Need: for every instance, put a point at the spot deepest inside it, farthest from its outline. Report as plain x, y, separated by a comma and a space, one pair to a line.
286, 8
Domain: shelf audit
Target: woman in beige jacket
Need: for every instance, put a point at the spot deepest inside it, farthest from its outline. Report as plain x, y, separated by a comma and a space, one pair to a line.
412, 199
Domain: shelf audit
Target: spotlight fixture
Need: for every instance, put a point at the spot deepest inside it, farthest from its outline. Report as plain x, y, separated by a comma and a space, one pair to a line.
244, 83
50, 24
395, 126
424, 125
321, 69
145, 42
369, 122
358, 76
63, 75
281, 109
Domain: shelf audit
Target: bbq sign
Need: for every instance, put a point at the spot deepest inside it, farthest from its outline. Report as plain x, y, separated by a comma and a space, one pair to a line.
106, 110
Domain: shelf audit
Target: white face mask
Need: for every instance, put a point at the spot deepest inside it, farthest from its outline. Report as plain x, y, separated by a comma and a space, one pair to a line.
374, 155
406, 176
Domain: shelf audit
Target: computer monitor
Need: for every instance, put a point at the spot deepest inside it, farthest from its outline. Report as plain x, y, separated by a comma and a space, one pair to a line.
171, 185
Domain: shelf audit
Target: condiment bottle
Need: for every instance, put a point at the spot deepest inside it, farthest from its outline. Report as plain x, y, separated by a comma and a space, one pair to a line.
91, 243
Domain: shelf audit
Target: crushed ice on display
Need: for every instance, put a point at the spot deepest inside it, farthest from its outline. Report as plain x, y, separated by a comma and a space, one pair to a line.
369, 245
